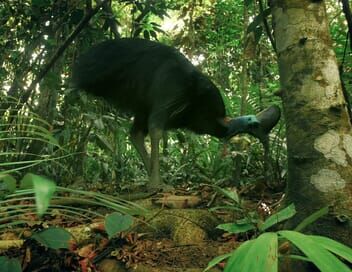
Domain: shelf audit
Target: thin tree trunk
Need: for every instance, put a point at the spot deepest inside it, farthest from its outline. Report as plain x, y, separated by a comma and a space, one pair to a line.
238, 159
261, 81
319, 134
244, 72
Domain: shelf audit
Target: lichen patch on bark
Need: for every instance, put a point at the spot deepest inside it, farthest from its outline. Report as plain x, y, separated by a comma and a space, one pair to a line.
347, 144
327, 180
328, 145
332, 78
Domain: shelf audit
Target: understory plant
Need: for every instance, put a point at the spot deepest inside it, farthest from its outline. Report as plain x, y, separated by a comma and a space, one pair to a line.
34, 199
263, 253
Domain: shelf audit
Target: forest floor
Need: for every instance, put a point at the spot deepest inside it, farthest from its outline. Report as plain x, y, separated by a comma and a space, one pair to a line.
180, 236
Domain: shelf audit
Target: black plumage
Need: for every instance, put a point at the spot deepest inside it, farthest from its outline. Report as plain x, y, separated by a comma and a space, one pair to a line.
161, 88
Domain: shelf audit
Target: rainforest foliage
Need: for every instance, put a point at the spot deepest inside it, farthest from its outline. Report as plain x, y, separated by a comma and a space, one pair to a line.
47, 128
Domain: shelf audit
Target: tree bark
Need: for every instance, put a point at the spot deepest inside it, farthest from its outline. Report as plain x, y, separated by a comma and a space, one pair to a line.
319, 134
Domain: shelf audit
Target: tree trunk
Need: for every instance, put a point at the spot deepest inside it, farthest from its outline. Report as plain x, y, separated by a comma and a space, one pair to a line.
319, 135
244, 72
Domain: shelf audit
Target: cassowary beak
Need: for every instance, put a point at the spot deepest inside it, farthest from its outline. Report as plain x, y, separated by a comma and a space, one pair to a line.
258, 125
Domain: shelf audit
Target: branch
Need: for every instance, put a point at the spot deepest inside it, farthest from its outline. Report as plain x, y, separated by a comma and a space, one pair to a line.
111, 20
266, 25
61, 50
347, 10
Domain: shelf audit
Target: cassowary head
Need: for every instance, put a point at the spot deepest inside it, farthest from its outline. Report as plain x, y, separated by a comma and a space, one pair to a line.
258, 125
242, 124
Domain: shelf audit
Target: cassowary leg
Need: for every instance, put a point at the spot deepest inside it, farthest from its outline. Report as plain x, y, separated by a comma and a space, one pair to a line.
268, 169
165, 143
138, 141
155, 135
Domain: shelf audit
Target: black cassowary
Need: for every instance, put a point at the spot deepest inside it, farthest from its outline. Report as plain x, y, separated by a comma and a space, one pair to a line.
163, 90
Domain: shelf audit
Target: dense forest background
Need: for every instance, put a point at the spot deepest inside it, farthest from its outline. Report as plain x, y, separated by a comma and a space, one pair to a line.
46, 128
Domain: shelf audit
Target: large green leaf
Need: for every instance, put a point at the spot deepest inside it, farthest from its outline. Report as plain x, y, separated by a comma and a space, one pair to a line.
238, 257
116, 222
259, 255
7, 183
9, 265
27, 182
54, 238
236, 228
317, 253
334, 246
278, 217
43, 189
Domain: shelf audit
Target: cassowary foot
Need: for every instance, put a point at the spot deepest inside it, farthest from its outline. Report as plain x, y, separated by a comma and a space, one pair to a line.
157, 184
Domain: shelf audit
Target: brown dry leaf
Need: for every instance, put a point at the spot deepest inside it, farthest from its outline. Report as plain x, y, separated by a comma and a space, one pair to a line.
285, 248
86, 251
8, 236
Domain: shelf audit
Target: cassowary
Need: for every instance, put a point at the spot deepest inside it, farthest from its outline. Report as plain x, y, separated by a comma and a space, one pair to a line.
163, 91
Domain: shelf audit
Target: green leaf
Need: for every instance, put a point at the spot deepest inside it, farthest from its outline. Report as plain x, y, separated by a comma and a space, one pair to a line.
26, 182
104, 143
52, 140
296, 257
217, 260
317, 253
238, 256
247, 220
7, 183
312, 218
334, 246
259, 255
225, 207
10, 265
227, 193
54, 238
116, 222
99, 124
278, 217
236, 228
43, 189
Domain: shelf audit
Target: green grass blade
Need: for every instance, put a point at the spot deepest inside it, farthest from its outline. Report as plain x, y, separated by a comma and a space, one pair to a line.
217, 260
312, 218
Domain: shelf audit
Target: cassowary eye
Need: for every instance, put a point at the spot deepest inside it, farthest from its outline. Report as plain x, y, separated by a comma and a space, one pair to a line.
252, 121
